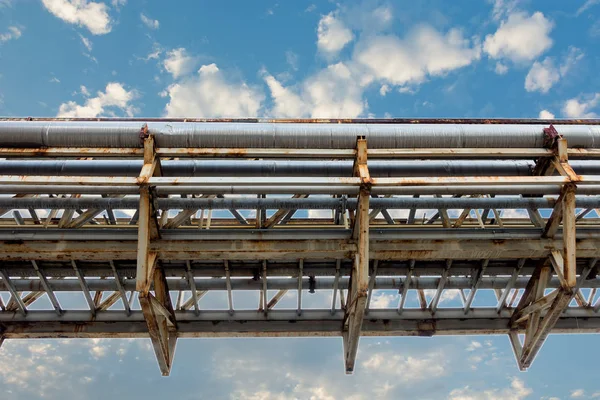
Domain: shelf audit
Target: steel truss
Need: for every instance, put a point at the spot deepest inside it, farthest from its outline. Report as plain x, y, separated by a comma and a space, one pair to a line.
519, 222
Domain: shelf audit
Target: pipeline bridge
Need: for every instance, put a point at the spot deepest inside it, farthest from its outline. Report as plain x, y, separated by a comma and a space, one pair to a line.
138, 220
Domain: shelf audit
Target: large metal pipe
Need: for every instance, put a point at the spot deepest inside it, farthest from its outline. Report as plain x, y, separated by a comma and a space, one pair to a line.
322, 190
266, 168
292, 203
39, 134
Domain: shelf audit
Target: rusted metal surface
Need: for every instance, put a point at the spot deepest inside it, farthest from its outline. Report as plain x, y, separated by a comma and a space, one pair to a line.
357, 231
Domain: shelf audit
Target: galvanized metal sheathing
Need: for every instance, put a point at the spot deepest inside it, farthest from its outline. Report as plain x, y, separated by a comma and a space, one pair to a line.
265, 168
58, 133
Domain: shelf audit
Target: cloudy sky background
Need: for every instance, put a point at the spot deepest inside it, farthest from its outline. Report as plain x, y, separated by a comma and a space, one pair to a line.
436, 58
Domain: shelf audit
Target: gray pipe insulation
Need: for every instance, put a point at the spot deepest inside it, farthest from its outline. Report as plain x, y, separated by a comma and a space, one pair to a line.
126, 134
271, 168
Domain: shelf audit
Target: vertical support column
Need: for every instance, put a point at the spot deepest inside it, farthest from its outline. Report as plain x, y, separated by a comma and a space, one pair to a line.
157, 308
533, 301
569, 236
359, 276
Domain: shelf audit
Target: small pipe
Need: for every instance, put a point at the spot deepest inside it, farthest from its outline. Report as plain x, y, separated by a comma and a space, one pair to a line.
320, 283
291, 203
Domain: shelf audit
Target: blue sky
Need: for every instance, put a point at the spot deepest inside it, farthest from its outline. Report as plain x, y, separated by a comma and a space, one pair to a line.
299, 59
323, 59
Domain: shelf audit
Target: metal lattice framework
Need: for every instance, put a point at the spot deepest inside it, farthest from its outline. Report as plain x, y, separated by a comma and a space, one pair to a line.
143, 218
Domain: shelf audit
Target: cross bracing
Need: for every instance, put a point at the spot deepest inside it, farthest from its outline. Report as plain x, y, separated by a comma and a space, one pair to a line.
145, 220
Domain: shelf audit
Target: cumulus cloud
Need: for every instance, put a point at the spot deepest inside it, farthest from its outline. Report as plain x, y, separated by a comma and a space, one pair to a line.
13, 34
331, 93
332, 34
577, 393
384, 300
423, 52
406, 368
384, 89
447, 294
545, 114
516, 391
474, 345
149, 22
115, 96
501, 69
543, 75
178, 62
210, 94
520, 38
582, 107
91, 15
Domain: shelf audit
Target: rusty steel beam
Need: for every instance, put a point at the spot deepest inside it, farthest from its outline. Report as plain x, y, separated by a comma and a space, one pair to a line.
359, 276
288, 249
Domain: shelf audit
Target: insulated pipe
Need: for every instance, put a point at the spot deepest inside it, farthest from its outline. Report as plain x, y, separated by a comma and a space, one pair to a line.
267, 168
39, 134
320, 283
320, 190
291, 203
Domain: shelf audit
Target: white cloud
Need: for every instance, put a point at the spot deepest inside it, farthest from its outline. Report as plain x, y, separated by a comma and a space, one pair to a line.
447, 294
98, 351
331, 93
543, 75
54, 80
210, 94
332, 34
577, 393
84, 91
586, 5
406, 368
118, 3
179, 62
582, 107
13, 34
520, 37
474, 345
503, 8
571, 59
86, 42
501, 69
91, 15
149, 22
545, 114
424, 52
154, 54
517, 391
384, 89
286, 102
384, 300
38, 368
114, 96
291, 59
